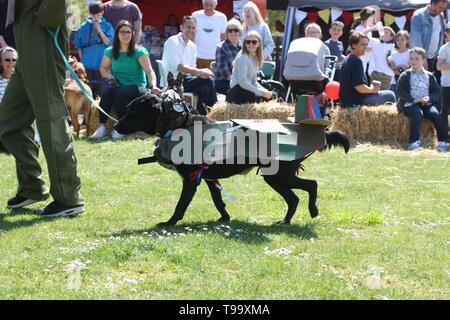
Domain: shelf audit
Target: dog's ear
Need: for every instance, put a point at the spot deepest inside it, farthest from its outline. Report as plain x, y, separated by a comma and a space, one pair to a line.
180, 78
169, 77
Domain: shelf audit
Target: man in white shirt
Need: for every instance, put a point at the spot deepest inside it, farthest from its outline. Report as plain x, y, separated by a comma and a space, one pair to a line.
180, 55
211, 30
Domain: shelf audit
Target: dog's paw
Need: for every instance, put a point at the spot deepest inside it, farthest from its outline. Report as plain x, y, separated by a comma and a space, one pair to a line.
224, 219
166, 224
284, 221
313, 211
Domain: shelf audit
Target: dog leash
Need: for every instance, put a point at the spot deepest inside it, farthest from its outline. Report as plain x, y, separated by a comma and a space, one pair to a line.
74, 75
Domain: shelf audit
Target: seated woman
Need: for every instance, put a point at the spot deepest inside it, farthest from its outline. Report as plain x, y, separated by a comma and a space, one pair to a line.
125, 67
244, 85
8, 59
225, 54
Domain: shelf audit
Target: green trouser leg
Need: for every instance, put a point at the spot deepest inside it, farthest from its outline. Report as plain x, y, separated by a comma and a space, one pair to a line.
61, 161
16, 135
29, 173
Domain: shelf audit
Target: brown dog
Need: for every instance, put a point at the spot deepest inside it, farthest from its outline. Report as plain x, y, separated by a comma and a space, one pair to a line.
75, 100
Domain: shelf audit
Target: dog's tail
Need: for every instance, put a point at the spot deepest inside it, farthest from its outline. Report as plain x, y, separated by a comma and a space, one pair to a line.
336, 139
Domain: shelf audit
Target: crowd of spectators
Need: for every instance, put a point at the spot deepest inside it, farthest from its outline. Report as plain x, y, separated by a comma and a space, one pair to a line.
219, 56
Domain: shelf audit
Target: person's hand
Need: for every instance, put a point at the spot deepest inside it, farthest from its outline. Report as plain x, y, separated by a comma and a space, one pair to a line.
425, 100
376, 86
156, 90
110, 81
267, 95
205, 73
97, 26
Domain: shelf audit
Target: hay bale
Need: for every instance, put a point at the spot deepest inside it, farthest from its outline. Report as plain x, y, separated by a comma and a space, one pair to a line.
380, 124
223, 111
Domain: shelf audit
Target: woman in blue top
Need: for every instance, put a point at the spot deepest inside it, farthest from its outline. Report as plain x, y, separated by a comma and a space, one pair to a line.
126, 67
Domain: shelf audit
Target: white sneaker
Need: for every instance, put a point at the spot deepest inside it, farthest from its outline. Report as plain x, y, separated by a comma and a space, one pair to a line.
414, 146
442, 146
99, 133
117, 136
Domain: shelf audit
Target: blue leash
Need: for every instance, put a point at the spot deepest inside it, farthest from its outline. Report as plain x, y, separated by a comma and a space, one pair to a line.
74, 75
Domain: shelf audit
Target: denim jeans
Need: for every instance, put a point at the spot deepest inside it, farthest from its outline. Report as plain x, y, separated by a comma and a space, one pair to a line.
445, 108
374, 99
416, 113
222, 86
204, 89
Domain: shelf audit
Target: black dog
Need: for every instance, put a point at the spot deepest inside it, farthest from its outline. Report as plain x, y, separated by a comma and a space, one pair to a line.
156, 116
3, 149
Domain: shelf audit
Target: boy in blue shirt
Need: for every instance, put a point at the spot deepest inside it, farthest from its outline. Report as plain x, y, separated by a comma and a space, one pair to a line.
91, 40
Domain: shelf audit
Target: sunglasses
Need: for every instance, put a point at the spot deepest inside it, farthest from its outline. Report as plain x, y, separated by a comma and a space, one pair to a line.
233, 30
253, 42
10, 60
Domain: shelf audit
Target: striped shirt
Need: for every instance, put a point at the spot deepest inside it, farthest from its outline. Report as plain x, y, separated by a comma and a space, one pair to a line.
3, 85
266, 37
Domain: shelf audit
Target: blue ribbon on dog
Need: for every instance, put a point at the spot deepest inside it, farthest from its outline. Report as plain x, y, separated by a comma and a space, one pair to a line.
74, 75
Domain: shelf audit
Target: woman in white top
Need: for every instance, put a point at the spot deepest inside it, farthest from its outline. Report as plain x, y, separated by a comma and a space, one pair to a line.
244, 87
366, 23
253, 20
8, 59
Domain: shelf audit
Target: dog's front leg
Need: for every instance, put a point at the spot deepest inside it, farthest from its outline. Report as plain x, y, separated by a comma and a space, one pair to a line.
188, 192
218, 201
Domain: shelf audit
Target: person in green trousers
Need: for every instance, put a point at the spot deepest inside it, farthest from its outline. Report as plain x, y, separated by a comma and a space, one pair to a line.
36, 92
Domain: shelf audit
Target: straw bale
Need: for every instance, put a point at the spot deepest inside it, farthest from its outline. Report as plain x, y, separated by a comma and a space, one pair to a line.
223, 111
380, 124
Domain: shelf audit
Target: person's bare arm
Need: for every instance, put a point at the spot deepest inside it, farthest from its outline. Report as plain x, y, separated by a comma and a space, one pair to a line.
3, 42
105, 68
104, 38
144, 61
202, 73
362, 88
137, 31
442, 65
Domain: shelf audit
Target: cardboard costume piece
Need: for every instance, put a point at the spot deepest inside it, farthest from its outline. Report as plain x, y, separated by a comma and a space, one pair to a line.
255, 140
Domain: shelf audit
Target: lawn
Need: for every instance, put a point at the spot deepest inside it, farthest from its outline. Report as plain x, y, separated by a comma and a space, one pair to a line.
383, 233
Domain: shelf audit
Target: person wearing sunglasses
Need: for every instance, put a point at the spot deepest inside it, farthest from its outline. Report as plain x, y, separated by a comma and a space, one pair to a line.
8, 59
127, 70
244, 85
225, 54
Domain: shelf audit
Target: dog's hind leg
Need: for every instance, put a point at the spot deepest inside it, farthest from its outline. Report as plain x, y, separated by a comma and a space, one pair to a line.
309, 186
288, 195
188, 192
218, 201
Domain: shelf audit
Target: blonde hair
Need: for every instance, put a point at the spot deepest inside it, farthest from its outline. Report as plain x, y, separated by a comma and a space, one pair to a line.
259, 19
3, 50
259, 52
234, 22
311, 26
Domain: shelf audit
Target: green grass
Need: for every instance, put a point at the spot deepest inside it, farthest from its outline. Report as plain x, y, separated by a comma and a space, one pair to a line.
383, 233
